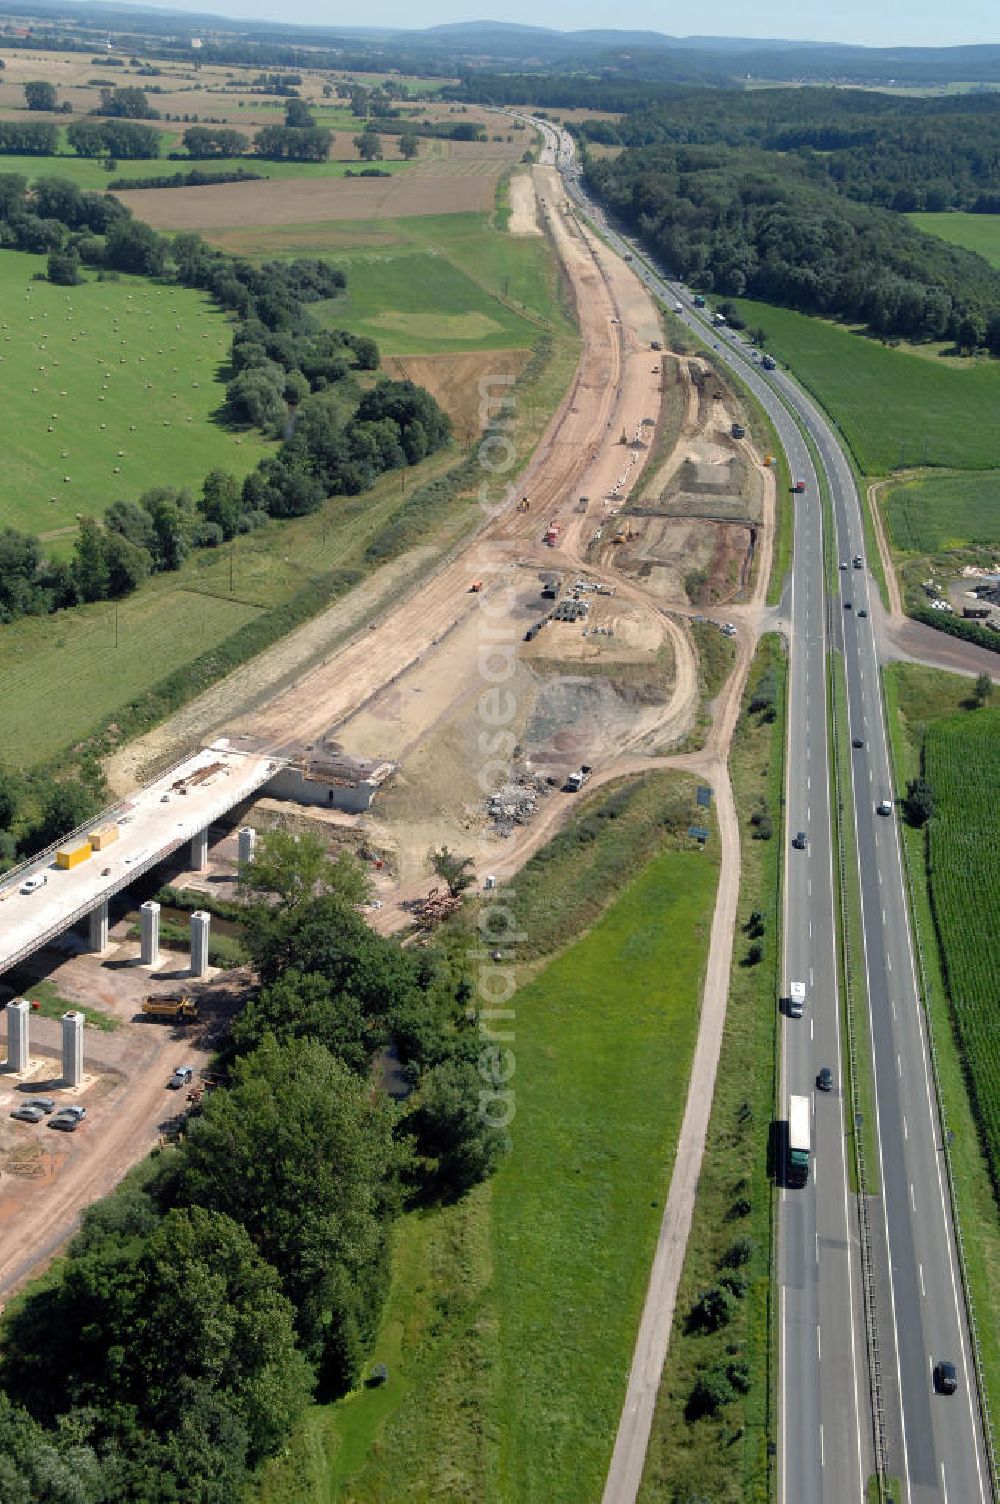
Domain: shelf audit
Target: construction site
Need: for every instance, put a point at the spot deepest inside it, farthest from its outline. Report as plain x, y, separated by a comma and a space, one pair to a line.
552, 649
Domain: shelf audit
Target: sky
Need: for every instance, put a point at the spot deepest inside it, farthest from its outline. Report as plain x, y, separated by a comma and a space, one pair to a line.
914, 23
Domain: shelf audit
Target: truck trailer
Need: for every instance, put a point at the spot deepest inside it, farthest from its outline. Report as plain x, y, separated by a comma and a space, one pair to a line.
797, 1171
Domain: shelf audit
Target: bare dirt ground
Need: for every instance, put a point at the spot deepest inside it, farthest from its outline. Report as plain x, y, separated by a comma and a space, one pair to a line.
47, 1177
454, 380
235, 698
523, 206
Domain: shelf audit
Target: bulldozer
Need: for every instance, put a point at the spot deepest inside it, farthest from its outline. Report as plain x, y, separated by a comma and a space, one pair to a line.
524, 505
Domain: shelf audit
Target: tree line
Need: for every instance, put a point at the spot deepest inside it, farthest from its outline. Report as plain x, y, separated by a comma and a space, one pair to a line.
243, 1271
292, 379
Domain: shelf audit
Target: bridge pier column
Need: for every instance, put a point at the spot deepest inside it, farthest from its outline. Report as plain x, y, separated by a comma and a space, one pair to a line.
199, 851
99, 926
72, 1048
200, 926
247, 837
18, 1015
149, 944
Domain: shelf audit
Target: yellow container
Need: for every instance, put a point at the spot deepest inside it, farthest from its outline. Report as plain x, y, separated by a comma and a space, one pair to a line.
106, 836
72, 856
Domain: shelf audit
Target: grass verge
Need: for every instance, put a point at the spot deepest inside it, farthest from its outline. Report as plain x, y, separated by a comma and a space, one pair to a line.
510, 1324
916, 697
856, 1036
50, 1004
724, 1456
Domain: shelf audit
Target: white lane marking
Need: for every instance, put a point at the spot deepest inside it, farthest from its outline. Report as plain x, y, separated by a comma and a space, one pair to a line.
809, 813
811, 1030
811, 978
808, 781
892, 1005
913, 1199
809, 887
883, 918
899, 1065
920, 1271
888, 962
880, 884
905, 1131
817, 1248
944, 1486
810, 929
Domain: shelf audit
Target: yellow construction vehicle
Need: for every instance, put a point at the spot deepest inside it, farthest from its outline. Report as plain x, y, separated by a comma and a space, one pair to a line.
175, 1010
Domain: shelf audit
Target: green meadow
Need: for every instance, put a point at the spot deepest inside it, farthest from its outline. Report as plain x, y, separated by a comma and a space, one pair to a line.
893, 406
973, 232
429, 284
109, 388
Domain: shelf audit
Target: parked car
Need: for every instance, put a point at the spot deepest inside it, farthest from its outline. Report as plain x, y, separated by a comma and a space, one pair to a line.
32, 884
73, 1112
945, 1378
26, 1113
66, 1122
182, 1076
45, 1103
824, 1081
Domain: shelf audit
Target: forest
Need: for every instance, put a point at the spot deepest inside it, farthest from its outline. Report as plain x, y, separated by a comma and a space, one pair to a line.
797, 197
242, 1271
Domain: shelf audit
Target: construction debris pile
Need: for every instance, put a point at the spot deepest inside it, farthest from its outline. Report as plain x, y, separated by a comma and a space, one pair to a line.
514, 802
437, 906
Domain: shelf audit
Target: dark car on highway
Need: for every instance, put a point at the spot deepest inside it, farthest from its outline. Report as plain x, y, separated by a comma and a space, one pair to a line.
945, 1378
801, 841
857, 741
824, 1080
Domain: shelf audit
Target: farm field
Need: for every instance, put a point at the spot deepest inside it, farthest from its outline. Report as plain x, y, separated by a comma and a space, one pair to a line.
920, 702
892, 407
962, 765
90, 173
513, 1313
104, 377
974, 232
936, 513
427, 285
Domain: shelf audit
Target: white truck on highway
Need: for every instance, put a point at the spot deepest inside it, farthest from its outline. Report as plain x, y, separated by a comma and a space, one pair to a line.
799, 1146
796, 999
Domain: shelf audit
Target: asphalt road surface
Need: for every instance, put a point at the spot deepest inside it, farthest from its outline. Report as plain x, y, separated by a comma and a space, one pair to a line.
933, 1443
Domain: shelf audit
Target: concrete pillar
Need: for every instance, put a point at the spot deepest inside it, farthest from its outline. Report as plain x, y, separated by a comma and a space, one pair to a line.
149, 915
248, 839
200, 925
99, 926
72, 1048
18, 1014
199, 851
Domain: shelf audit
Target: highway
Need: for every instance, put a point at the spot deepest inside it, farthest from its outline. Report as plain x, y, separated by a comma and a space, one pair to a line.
826, 1447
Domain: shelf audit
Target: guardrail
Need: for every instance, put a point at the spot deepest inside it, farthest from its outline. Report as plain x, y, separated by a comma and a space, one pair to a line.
864, 1228
986, 1419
